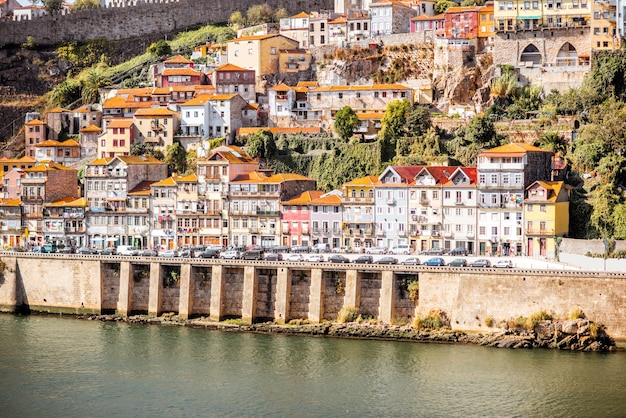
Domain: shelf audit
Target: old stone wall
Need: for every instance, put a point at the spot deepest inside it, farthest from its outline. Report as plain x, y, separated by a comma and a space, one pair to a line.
468, 296
158, 17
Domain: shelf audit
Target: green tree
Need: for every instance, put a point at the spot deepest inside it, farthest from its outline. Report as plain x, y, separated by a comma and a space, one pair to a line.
260, 13
346, 121
237, 19
607, 74
419, 121
261, 144
160, 48
85, 4
393, 127
280, 13
225, 34
52, 6
552, 141
482, 131
89, 86
442, 5
176, 158
619, 221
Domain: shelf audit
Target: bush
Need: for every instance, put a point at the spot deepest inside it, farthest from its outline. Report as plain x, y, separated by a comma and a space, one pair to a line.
348, 314
576, 314
414, 292
489, 321
596, 330
434, 320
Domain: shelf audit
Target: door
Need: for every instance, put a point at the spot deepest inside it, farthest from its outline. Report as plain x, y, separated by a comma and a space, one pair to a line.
542, 247
529, 247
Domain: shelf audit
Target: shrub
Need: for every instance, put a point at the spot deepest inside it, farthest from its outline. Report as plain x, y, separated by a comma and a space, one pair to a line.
489, 321
596, 330
234, 321
348, 314
434, 320
577, 314
414, 292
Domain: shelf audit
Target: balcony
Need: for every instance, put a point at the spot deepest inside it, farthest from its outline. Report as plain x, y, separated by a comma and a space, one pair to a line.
268, 212
364, 200
380, 233
424, 202
391, 202
420, 219
253, 230
459, 203
402, 233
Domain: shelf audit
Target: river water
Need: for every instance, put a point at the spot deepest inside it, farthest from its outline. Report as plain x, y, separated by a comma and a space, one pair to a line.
52, 366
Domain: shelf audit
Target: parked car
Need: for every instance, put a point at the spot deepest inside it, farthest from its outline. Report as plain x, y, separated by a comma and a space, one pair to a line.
66, 250
315, 258
86, 251
45, 249
209, 253
231, 255
458, 251
148, 252
376, 250
338, 258
433, 251
481, 262
411, 261
108, 251
458, 262
186, 254
321, 248
300, 249
400, 249
127, 250
387, 260
273, 257
168, 253
435, 261
295, 257
279, 249
253, 254
506, 264
364, 259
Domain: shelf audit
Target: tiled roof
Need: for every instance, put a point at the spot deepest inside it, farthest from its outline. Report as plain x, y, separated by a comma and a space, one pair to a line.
187, 179
252, 177
280, 87
178, 59
199, 100
232, 154
165, 182
224, 96
47, 166
307, 84
329, 199
462, 9
426, 17
512, 148
114, 102
370, 115
304, 198
68, 202
120, 123
53, 143
100, 161
155, 111
91, 128
10, 202
180, 71
300, 15
139, 159
58, 110
230, 67
253, 37
35, 122
279, 178
338, 21
363, 181
142, 188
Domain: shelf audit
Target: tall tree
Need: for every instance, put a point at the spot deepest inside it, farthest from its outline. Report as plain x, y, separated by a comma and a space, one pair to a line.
346, 121
393, 126
176, 158
52, 6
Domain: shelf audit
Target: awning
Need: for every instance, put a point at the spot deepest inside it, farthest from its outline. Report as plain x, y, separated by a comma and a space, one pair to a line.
528, 17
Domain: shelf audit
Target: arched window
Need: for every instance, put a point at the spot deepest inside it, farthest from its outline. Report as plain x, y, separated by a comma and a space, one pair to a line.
567, 55
531, 54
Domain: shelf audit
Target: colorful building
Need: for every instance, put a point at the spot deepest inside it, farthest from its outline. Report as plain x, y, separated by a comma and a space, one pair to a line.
546, 216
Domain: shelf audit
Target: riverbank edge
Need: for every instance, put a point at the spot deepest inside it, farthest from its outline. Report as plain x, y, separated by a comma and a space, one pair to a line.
545, 335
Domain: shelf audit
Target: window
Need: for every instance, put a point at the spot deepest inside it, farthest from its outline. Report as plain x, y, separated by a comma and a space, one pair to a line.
542, 208
273, 51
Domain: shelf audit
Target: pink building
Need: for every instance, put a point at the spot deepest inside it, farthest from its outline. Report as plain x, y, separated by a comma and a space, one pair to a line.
35, 132
295, 218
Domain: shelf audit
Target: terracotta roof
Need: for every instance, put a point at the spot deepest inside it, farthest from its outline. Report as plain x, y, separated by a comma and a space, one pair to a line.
100, 161
69, 202
363, 181
180, 71
199, 100
253, 37
463, 9
187, 179
519, 148
232, 154
114, 103
58, 110
339, 20
407, 173
165, 182
142, 188
329, 199
441, 174
155, 111
304, 198
91, 128
35, 122
120, 123
53, 143
139, 159
307, 84
24, 159
280, 87
370, 115
300, 15
223, 96
178, 59
83, 109
47, 166
252, 177
426, 17
554, 186
10, 202
363, 87
279, 178
230, 67
251, 106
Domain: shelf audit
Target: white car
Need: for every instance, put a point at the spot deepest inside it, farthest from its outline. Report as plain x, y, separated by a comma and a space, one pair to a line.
295, 257
315, 258
230, 255
504, 264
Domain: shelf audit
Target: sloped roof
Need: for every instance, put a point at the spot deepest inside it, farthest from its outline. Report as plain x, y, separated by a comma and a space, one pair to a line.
68, 202
304, 198
139, 159
142, 188
362, 87
178, 59
280, 87
155, 111
91, 128
54, 143
279, 178
519, 148
181, 71
277, 130
254, 37
252, 177
300, 15
328, 199
231, 67
114, 102
165, 182
120, 123
10, 202
35, 122
363, 181
199, 100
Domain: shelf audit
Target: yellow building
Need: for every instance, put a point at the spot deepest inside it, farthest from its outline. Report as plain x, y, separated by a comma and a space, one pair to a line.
486, 22
603, 27
358, 212
546, 216
259, 53
156, 126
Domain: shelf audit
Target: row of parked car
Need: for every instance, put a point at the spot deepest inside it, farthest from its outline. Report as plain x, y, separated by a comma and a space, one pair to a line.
461, 262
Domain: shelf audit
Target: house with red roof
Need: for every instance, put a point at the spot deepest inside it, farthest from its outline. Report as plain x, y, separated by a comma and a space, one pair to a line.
230, 79
426, 23
460, 215
461, 22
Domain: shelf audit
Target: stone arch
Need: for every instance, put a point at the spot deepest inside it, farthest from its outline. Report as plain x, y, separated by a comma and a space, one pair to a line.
567, 55
531, 54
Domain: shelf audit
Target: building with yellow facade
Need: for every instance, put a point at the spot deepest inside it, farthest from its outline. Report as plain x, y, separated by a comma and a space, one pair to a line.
546, 216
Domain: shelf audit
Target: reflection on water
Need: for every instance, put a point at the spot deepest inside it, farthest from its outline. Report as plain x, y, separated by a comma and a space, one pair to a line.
51, 366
